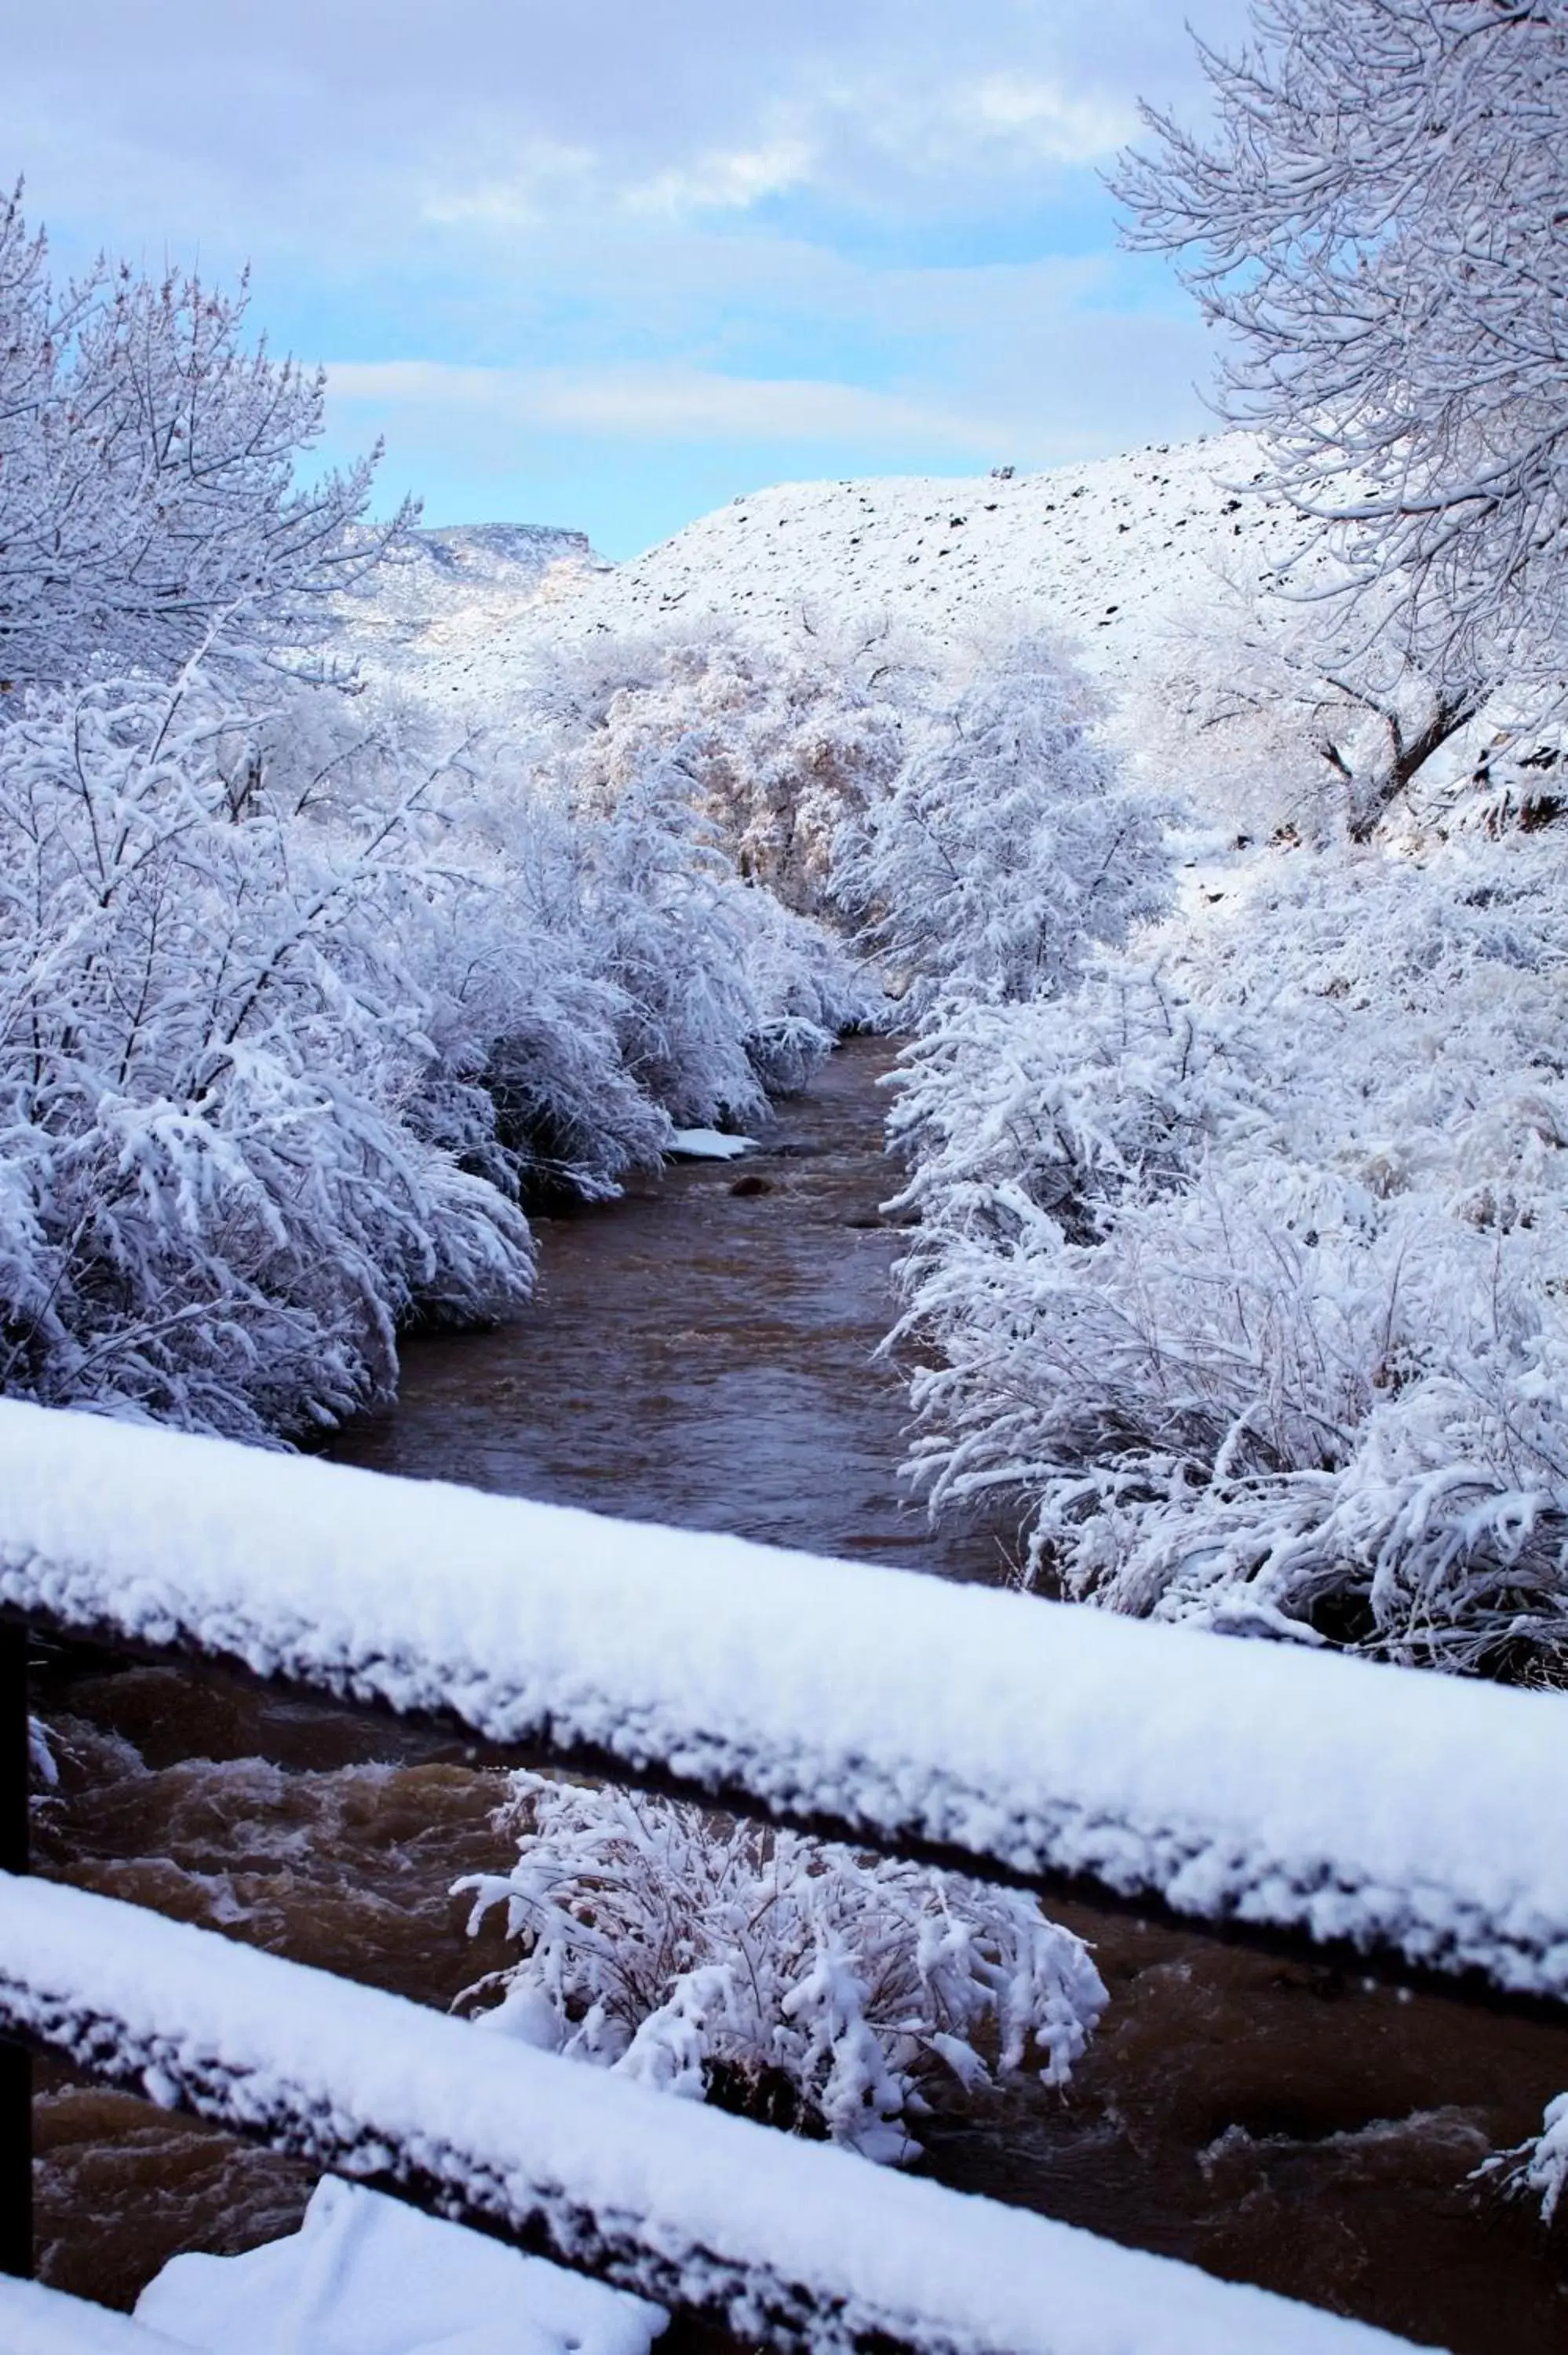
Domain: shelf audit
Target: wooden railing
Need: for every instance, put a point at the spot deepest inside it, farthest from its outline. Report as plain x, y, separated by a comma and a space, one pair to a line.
1272, 1795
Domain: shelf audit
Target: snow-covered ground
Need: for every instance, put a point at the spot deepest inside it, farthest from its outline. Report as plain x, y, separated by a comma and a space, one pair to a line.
366, 2275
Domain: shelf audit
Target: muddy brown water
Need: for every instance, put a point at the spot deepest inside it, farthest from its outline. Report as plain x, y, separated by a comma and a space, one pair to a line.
703, 1356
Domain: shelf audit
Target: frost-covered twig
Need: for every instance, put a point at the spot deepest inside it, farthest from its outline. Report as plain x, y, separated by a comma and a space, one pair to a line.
786, 1977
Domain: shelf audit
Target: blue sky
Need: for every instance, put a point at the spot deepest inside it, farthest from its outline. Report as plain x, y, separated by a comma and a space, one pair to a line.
611, 262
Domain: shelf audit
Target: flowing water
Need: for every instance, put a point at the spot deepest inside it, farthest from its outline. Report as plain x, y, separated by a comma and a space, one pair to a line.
701, 1353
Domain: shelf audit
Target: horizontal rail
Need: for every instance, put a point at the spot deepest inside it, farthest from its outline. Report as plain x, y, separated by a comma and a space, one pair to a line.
51, 1644
797, 2242
1419, 1821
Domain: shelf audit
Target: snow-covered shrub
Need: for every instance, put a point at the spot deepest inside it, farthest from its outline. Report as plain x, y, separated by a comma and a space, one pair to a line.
702, 780
1537, 2170
663, 902
529, 1083
806, 988
1005, 845
724, 993
783, 1976
1069, 1102
211, 1208
1247, 1276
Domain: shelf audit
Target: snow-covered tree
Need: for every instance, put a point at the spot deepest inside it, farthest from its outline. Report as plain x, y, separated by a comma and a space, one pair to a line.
1334, 716
149, 465
789, 1978
784, 741
1006, 845
1374, 219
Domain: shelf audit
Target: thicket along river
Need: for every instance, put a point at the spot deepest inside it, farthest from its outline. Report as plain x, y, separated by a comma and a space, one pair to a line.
701, 1353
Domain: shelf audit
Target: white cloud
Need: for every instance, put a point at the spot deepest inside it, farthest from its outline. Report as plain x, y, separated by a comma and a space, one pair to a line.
661, 404
550, 180
544, 174
1051, 121
726, 182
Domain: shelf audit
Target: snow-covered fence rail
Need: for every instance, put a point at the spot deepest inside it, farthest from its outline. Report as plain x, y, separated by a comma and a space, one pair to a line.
797, 2242
1414, 1817
1421, 1820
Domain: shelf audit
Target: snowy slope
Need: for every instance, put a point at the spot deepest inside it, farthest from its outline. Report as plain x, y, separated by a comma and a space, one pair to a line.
1115, 554
454, 587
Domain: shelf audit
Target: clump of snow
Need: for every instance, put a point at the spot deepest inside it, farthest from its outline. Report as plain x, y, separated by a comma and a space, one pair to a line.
785, 1977
1267, 1781
368, 2276
707, 1145
791, 2240
36, 2320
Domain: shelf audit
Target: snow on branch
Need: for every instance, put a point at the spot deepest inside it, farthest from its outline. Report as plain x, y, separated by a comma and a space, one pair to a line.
786, 1978
1258, 1783
1375, 217
792, 2243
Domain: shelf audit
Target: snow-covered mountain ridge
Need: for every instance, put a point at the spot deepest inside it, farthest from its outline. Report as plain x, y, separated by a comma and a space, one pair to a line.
1119, 554
455, 585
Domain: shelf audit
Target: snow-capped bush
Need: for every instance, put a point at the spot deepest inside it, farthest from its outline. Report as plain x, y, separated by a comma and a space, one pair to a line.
675, 923
211, 1207
1005, 845
1537, 2170
783, 1976
1247, 1274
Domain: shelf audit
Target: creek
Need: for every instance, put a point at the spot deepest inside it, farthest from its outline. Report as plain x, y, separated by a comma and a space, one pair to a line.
703, 1353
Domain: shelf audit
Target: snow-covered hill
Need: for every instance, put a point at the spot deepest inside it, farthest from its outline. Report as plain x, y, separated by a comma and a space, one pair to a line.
1120, 555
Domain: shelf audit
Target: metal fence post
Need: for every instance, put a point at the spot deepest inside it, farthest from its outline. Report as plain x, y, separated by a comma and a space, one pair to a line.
15, 2060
